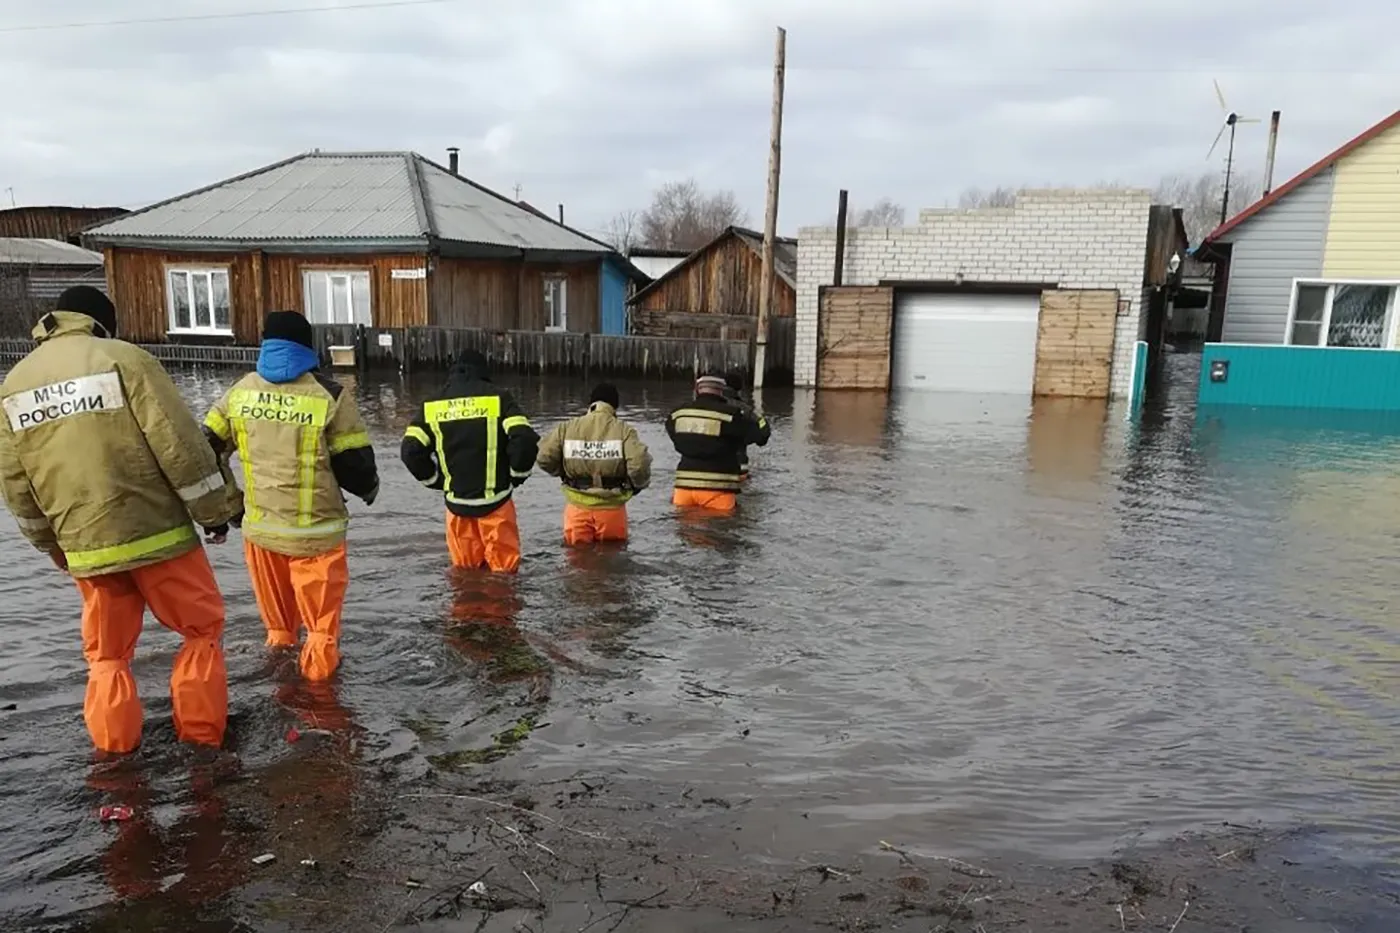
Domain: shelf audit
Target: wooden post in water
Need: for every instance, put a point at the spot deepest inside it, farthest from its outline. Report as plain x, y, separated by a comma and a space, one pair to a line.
770, 220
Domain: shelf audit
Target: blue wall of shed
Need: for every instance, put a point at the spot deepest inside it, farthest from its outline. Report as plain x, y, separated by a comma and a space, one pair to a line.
613, 297
1302, 377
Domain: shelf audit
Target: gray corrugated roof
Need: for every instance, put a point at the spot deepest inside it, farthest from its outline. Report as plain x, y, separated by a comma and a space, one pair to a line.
25, 252
371, 196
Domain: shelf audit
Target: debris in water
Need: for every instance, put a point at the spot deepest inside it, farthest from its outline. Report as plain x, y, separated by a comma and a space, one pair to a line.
9, 708
309, 863
293, 735
413, 883
115, 813
265, 858
478, 888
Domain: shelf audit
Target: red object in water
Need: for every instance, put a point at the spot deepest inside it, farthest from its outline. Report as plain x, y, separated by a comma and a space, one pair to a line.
115, 813
293, 734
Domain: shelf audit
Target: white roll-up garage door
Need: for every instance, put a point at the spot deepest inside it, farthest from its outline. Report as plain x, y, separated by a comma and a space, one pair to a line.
966, 343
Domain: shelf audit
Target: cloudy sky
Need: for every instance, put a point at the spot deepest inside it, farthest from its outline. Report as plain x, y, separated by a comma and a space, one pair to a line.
595, 102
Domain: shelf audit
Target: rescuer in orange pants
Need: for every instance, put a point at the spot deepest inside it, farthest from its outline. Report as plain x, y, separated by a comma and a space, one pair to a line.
103, 469
710, 433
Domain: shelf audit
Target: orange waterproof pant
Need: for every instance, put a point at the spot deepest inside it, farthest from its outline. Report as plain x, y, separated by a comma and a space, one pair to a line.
183, 596
584, 525
710, 499
492, 540
296, 591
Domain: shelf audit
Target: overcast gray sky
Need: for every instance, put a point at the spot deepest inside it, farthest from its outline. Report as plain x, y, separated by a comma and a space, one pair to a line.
594, 102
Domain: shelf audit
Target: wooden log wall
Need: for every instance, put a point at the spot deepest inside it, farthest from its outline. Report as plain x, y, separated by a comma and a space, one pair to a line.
509, 295
853, 337
726, 279
1074, 348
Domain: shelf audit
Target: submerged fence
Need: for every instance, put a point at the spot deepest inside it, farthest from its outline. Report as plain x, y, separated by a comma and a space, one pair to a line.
434, 348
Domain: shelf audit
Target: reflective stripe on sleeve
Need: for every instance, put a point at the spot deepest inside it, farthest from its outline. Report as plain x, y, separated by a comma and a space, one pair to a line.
515, 421
32, 524
344, 442
419, 435
211, 483
217, 423
135, 550
519, 474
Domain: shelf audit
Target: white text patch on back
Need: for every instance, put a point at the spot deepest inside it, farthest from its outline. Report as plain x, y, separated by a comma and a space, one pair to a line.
33, 407
593, 450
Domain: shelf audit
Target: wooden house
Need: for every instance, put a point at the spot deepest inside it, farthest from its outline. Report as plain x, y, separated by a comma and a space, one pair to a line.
382, 239
64, 224
34, 272
715, 289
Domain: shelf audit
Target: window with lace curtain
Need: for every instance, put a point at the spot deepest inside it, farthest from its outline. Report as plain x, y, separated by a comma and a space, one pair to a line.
1342, 314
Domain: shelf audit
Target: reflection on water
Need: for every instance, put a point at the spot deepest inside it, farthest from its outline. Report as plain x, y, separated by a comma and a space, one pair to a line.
1010, 626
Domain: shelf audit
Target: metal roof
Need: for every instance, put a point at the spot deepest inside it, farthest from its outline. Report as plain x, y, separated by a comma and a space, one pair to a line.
17, 251
346, 197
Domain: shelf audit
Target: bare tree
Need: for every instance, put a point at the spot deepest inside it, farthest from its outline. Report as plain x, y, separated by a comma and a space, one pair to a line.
621, 231
1199, 198
681, 216
883, 213
997, 197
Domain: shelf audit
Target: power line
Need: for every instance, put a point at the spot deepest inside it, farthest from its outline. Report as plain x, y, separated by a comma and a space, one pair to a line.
204, 17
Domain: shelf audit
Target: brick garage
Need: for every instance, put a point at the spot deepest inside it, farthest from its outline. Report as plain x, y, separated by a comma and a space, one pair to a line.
1091, 240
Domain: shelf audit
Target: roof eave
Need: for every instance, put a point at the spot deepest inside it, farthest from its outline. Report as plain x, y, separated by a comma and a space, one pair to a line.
330, 245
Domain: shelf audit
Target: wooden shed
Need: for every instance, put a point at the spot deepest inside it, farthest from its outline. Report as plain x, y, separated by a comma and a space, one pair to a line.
34, 272
382, 239
716, 289
64, 224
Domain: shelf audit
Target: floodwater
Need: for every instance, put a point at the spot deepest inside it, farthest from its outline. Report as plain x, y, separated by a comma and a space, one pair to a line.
1022, 629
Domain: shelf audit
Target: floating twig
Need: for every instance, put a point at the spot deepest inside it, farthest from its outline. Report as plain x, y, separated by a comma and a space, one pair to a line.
1179, 917
957, 865
507, 806
1122, 925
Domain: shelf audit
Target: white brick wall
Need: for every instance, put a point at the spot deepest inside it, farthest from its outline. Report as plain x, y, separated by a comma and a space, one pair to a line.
1075, 238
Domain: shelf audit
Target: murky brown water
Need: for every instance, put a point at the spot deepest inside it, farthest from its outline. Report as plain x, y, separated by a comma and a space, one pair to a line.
1013, 629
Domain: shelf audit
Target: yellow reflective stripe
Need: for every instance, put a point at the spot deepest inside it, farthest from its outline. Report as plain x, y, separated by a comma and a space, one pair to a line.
594, 500
302, 531
216, 422
701, 413
135, 550
240, 431
344, 442
515, 421
308, 453
492, 436
762, 422
419, 435
280, 407
501, 496
519, 474
442, 460
462, 409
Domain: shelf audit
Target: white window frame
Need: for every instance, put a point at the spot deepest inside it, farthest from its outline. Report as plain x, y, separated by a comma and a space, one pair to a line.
563, 282
1387, 328
191, 272
348, 273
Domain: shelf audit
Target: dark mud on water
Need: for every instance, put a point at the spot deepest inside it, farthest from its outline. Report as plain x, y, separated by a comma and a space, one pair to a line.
995, 665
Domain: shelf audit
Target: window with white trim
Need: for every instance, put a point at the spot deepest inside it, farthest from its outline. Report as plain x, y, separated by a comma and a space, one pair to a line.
198, 301
1342, 314
556, 315
337, 296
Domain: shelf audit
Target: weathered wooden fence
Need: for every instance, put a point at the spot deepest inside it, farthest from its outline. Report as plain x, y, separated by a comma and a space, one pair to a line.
434, 348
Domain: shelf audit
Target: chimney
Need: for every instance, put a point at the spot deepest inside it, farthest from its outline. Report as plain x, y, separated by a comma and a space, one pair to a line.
1269, 159
452, 159
561, 214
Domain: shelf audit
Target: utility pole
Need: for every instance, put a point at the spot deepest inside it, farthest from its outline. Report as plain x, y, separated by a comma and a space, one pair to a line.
770, 220
1273, 148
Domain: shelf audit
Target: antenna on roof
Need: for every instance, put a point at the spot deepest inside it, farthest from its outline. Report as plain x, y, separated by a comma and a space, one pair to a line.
11, 190
517, 191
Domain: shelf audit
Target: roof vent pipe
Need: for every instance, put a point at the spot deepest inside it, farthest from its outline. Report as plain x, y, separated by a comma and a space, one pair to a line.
452, 159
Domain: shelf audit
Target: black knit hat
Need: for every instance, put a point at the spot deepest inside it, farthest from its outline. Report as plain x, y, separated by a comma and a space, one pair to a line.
606, 393
289, 325
84, 299
473, 361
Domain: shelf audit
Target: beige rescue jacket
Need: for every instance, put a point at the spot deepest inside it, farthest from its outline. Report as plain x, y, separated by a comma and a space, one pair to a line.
299, 443
99, 457
599, 457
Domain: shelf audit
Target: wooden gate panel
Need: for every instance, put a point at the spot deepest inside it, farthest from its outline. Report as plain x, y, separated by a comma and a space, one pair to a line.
853, 337
1074, 347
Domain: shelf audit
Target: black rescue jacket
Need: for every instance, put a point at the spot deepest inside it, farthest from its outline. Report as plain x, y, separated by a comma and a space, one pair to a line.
471, 441
710, 434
